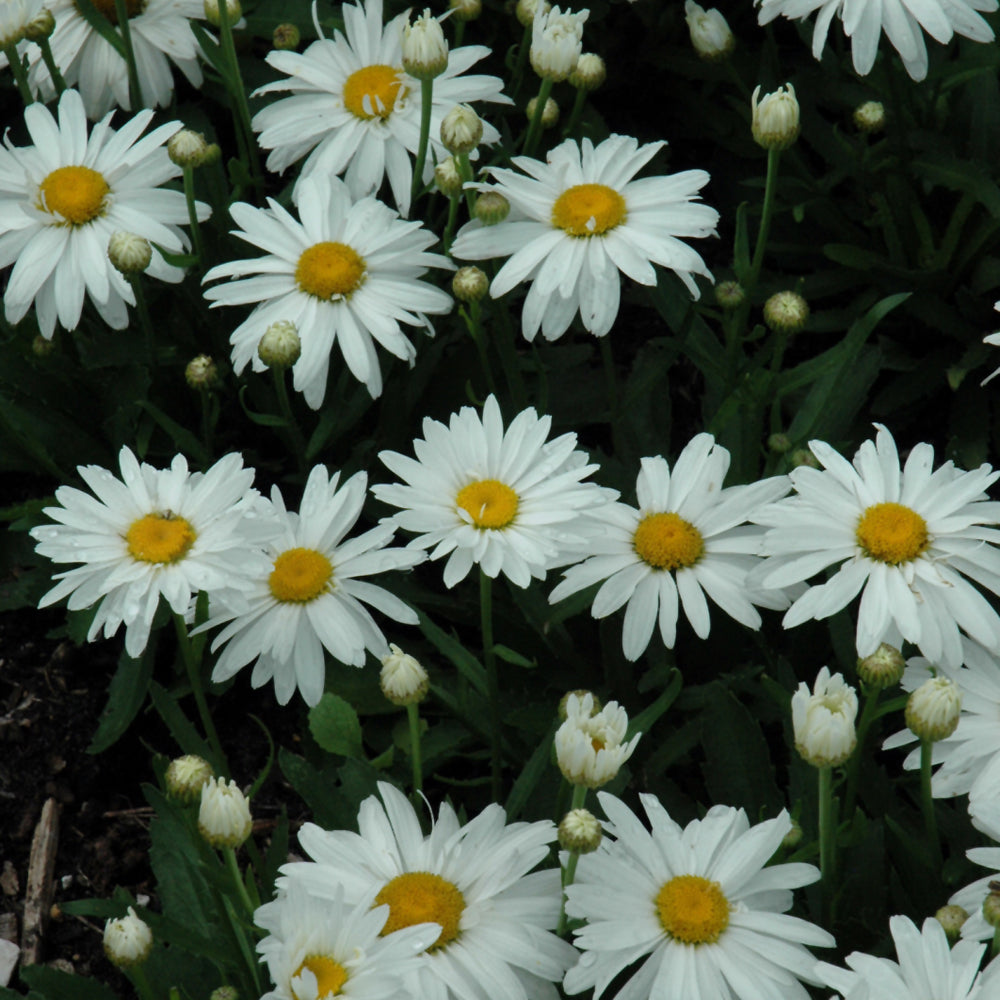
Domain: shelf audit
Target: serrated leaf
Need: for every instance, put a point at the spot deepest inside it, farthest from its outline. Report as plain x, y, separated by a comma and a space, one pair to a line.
61, 985
335, 727
126, 696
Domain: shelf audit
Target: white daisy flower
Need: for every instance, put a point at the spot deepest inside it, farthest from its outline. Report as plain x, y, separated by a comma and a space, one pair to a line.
910, 540
556, 41
511, 501
61, 201
161, 34
474, 881
686, 539
577, 220
927, 969
355, 112
317, 949
310, 595
348, 273
152, 533
591, 746
901, 20
698, 902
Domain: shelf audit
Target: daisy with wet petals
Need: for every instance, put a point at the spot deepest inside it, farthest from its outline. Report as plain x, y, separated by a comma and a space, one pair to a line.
509, 500
688, 538
474, 881
347, 274
579, 219
912, 541
356, 113
153, 533
61, 201
161, 34
310, 594
696, 903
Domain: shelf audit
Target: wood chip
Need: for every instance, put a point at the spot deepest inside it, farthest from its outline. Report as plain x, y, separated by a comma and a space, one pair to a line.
9, 884
41, 869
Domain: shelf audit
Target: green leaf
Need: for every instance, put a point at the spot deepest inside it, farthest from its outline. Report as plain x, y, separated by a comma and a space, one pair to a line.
210, 48
958, 174
126, 696
462, 659
264, 419
530, 776
100, 24
316, 786
335, 727
509, 655
64, 985
184, 441
645, 720
181, 728
177, 259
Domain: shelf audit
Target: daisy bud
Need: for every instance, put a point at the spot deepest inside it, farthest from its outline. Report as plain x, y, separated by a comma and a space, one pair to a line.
461, 129
233, 9
556, 40
213, 153
187, 148
425, 50
224, 815
280, 346
40, 26
779, 443
710, 34
951, 918
447, 178
870, 116
803, 456
185, 777
882, 669
128, 253
470, 284
201, 373
491, 207
793, 838
549, 116
403, 680
730, 295
525, 10
285, 38
775, 122
823, 720
466, 10
786, 312
991, 905
42, 347
590, 72
589, 747
595, 702
127, 940
580, 832
933, 710
224, 993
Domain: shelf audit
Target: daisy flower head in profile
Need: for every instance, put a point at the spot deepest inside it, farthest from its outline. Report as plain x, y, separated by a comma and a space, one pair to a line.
347, 274
310, 593
355, 112
475, 881
696, 903
317, 949
161, 34
903, 21
511, 501
927, 969
15, 16
687, 539
153, 533
579, 219
63, 198
912, 541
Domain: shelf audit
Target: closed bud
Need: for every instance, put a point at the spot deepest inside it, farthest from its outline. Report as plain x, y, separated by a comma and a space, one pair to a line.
881, 669
225, 993
870, 116
803, 456
550, 114
951, 918
425, 50
466, 10
448, 178
729, 295
129, 253
40, 26
991, 906
280, 346
201, 373
234, 11
580, 832
775, 123
786, 312
491, 207
461, 129
127, 940
285, 38
525, 10
590, 72
470, 284
185, 777
224, 814
823, 720
402, 679
933, 710
580, 693
779, 443
710, 34
187, 148
793, 838
42, 346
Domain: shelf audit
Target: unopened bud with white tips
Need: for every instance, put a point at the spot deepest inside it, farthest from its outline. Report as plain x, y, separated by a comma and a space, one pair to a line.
127, 940
525, 10
466, 10
933, 710
556, 41
470, 284
882, 669
40, 26
491, 208
234, 11
823, 720
187, 148
185, 777
425, 49
710, 34
224, 815
461, 129
280, 347
550, 113
448, 178
775, 123
580, 832
590, 72
403, 680
129, 253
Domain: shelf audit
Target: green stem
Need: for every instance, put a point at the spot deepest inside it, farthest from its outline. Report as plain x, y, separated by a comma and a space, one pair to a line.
449, 229
854, 764
229, 854
20, 77
579, 797
206, 422
426, 104
465, 169
57, 78
523, 51
148, 335
137, 973
492, 679
134, 87
535, 126
770, 189
827, 835
459, 34
192, 666
192, 210
927, 801
413, 717
285, 405
474, 323
506, 345
995, 946
569, 871
574, 116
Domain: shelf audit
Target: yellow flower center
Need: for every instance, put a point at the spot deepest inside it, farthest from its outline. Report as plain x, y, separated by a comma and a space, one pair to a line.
330, 975
75, 193
160, 538
372, 92
692, 909
667, 541
588, 210
490, 503
107, 8
892, 533
330, 269
419, 898
300, 576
